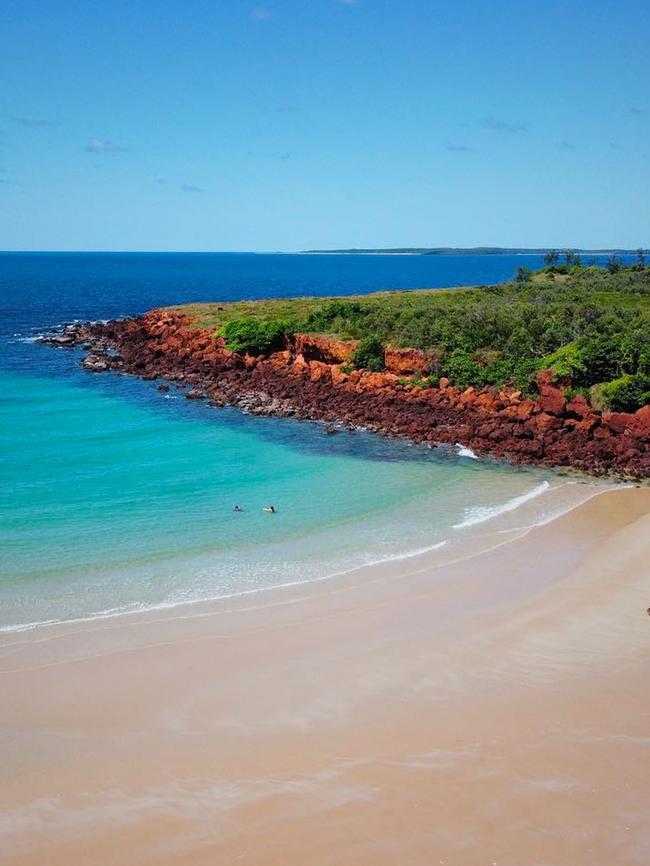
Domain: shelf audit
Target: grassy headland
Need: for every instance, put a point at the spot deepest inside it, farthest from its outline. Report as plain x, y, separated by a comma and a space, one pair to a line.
590, 325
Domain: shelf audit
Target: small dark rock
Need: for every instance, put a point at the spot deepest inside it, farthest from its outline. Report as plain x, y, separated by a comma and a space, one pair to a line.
56, 340
94, 364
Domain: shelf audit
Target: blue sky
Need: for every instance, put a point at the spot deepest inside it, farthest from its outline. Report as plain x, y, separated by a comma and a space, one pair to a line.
284, 125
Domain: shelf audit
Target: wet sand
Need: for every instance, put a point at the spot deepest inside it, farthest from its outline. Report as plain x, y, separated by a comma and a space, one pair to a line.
495, 710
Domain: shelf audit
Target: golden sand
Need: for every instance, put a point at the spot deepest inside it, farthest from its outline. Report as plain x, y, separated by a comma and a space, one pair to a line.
494, 710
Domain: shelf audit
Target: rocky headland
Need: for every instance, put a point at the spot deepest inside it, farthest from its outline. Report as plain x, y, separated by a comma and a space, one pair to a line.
311, 379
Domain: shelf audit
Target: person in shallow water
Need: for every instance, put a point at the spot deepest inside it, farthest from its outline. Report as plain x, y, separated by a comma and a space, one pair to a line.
270, 509
238, 508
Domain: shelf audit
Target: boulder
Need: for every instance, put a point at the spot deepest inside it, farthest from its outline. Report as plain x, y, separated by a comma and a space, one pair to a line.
545, 377
587, 425
552, 400
618, 421
543, 422
579, 406
94, 364
299, 368
640, 426
338, 375
468, 396
58, 340
525, 409
486, 402
318, 371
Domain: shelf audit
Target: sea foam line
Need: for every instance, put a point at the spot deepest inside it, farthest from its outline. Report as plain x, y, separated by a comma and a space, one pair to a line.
481, 514
473, 516
141, 607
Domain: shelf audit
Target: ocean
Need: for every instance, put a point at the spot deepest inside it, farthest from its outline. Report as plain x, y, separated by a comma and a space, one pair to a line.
117, 498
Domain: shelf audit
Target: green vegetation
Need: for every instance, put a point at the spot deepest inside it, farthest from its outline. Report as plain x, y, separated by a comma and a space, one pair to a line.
524, 275
590, 325
624, 394
254, 336
369, 355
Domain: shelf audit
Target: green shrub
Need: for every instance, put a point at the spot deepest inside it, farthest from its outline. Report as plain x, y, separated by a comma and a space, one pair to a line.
257, 337
614, 264
419, 380
625, 394
566, 363
596, 357
369, 355
462, 370
524, 275
602, 356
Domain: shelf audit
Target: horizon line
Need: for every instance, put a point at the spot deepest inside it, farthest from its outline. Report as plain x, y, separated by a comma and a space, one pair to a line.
333, 250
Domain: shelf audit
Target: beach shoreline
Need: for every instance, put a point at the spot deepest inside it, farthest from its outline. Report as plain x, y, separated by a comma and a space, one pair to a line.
399, 717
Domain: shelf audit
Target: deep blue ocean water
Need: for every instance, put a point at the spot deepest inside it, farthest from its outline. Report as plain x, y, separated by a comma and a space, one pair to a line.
116, 497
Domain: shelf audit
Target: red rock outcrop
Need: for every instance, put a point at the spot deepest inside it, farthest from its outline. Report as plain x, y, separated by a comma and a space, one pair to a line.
318, 347
309, 380
407, 361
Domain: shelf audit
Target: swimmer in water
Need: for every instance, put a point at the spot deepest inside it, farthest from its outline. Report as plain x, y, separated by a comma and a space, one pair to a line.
238, 508
270, 509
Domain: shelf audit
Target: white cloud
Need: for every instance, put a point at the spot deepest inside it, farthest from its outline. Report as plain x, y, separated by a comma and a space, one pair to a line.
100, 145
499, 125
34, 122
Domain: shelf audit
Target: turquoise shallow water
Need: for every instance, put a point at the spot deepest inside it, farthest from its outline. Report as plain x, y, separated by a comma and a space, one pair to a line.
122, 497
117, 497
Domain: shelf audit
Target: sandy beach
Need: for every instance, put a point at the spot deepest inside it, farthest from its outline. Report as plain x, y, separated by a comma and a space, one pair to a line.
492, 710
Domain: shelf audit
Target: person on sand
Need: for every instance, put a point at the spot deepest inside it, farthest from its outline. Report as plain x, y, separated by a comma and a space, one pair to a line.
270, 509
238, 508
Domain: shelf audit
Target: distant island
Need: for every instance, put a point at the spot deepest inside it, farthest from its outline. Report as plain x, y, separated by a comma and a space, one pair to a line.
552, 368
466, 251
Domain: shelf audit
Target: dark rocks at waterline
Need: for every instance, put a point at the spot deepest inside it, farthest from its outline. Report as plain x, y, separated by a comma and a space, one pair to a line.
59, 341
95, 364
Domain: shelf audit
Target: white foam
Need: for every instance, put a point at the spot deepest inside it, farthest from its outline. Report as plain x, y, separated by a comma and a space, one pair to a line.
464, 451
480, 514
141, 607
19, 338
